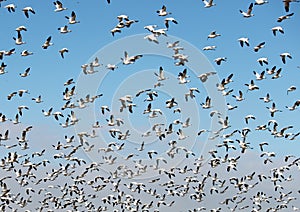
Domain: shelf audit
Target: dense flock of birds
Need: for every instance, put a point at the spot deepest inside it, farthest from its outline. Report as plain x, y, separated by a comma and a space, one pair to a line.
61, 179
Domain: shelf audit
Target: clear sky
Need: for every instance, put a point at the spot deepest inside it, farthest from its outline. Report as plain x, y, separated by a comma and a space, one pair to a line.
91, 38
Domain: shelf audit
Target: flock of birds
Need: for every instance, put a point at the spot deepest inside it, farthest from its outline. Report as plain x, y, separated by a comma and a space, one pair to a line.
60, 178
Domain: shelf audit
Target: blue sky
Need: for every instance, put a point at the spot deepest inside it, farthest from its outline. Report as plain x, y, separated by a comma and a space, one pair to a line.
89, 37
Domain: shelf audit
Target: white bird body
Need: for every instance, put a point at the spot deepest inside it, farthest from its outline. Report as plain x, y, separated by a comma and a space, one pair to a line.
262, 61
207, 48
277, 29
252, 86
208, 4
259, 76
19, 40
64, 29
243, 41
72, 18
163, 11
260, 2
26, 11
130, 60
10, 7
59, 6
63, 51
248, 14
213, 34
47, 43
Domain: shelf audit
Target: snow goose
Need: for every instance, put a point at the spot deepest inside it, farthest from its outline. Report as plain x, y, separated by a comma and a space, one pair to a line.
47, 113
38, 99
266, 98
172, 45
287, 4
271, 71
152, 38
204, 77
122, 17
228, 79
2, 68
277, 29
284, 56
186, 123
248, 14
259, 46
259, 76
115, 30
130, 60
57, 114
26, 73
11, 95
159, 32
59, 6
262, 61
224, 122
294, 106
130, 22
277, 74
10, 7
182, 76
221, 86
2, 54
142, 91
283, 17
64, 29
260, 2
111, 121
72, 18
21, 28
9, 52
252, 86
167, 20
22, 91
160, 75
25, 53
163, 11
191, 93
5, 136
21, 108
47, 43
150, 28
249, 117
239, 97
104, 108
181, 135
207, 103
19, 40
171, 103
96, 63
209, 3
273, 109
69, 82
226, 93
16, 120
213, 34
63, 51
207, 48
111, 67
243, 41
230, 107
291, 89
219, 60
26, 11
